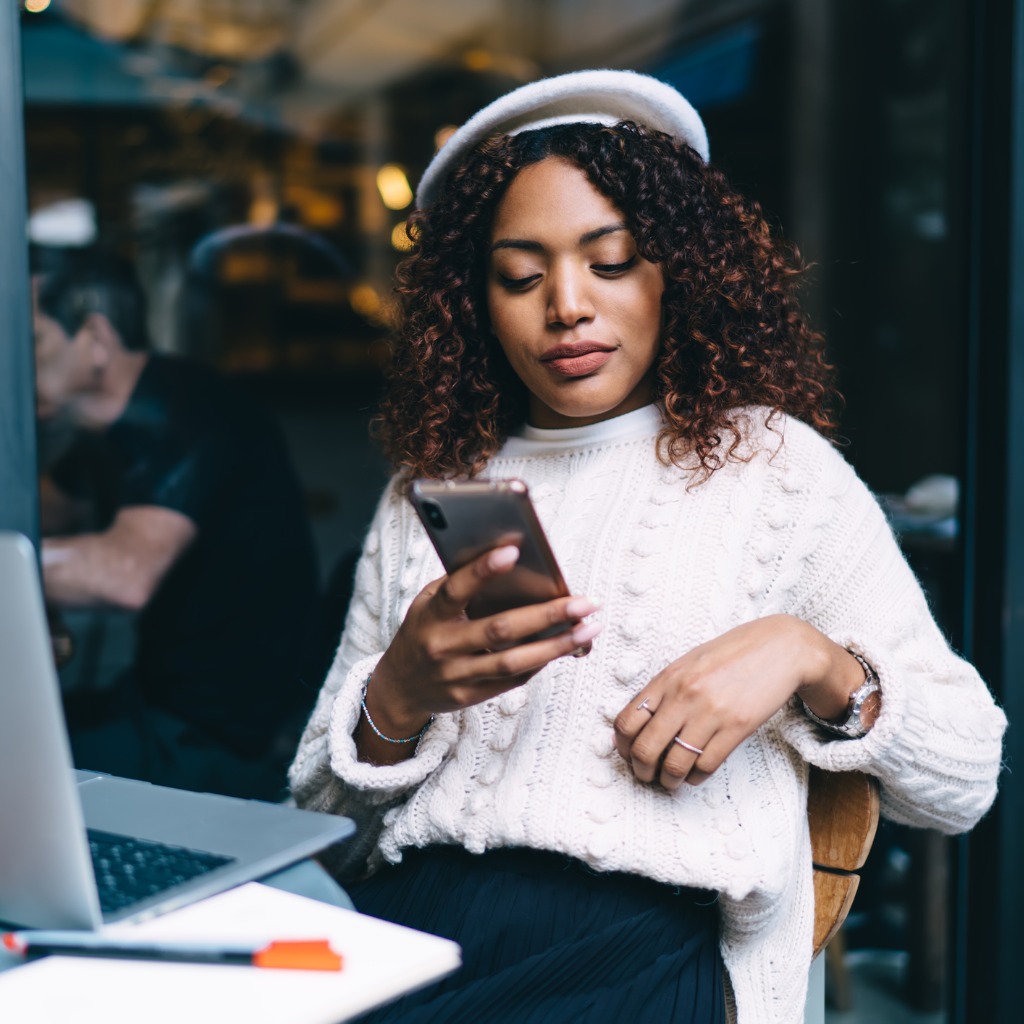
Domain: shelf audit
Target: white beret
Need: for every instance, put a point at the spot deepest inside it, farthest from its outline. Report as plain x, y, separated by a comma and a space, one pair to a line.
602, 97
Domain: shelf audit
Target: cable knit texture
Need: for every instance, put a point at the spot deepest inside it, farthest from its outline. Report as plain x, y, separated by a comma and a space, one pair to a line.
793, 530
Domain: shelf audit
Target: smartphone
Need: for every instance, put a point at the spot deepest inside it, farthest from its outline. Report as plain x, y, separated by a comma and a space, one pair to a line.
465, 518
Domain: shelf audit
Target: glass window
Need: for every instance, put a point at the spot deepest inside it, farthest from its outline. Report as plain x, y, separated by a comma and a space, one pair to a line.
253, 163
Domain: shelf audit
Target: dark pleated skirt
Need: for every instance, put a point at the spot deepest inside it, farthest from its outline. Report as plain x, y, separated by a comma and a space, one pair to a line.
547, 940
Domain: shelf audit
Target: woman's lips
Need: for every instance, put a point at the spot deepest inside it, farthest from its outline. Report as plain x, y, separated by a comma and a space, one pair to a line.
576, 360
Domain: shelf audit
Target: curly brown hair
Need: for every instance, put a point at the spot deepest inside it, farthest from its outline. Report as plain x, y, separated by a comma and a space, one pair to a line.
733, 334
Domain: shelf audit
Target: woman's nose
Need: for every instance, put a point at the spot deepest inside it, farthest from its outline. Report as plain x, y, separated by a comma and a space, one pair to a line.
569, 301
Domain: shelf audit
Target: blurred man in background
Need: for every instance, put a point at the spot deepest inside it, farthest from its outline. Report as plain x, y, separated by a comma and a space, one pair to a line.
176, 500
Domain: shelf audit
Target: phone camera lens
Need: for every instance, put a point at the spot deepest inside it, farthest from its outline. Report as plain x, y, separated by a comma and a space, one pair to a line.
434, 515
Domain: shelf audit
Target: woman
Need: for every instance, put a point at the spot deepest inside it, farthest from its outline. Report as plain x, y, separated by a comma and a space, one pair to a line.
591, 307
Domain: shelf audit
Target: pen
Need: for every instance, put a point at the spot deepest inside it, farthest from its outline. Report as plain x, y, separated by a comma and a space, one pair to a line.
307, 955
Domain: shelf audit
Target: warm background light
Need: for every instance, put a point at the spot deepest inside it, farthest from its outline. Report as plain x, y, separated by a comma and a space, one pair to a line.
400, 239
36, 6
393, 186
478, 60
365, 300
443, 134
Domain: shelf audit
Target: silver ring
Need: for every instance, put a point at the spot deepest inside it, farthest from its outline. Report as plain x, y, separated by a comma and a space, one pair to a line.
642, 706
688, 746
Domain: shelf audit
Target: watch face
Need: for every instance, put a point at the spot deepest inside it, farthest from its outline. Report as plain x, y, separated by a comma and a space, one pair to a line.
865, 705
870, 707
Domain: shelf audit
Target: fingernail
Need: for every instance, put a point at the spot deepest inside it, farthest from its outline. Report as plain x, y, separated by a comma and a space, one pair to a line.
586, 631
578, 607
502, 558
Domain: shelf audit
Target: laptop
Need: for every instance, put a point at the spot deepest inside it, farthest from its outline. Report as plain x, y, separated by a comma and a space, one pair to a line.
173, 846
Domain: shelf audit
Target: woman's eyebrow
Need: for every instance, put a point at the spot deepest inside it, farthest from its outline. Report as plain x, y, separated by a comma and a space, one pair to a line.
517, 243
610, 229
531, 246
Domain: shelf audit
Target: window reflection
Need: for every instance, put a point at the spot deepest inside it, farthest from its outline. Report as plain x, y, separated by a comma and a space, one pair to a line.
175, 500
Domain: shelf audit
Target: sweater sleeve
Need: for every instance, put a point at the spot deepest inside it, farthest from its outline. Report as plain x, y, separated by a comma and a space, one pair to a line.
936, 745
326, 774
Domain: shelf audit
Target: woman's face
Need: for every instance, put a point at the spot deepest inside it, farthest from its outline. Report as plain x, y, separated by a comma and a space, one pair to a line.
575, 307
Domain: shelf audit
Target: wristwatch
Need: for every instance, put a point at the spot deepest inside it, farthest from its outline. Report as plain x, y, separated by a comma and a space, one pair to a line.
852, 727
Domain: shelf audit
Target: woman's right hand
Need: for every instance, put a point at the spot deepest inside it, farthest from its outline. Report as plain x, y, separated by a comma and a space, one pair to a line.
441, 660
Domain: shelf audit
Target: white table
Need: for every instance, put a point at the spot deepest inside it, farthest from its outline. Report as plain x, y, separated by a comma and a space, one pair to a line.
381, 962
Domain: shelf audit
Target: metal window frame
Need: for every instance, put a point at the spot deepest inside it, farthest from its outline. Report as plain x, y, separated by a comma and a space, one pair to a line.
19, 500
990, 886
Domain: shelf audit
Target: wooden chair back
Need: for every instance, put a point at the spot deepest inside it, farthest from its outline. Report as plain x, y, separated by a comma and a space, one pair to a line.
842, 810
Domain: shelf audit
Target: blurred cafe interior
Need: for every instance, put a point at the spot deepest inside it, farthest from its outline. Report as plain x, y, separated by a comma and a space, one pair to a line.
255, 160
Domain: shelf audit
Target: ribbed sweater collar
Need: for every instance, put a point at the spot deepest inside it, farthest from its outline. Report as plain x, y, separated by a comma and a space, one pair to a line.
643, 422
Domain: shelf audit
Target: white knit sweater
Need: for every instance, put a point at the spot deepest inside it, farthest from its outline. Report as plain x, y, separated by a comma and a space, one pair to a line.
790, 530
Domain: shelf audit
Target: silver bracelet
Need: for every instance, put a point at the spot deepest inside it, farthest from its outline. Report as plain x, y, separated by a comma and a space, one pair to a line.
373, 725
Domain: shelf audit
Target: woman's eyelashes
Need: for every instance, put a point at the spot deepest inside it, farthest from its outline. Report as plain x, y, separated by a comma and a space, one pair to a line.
517, 283
604, 269
614, 268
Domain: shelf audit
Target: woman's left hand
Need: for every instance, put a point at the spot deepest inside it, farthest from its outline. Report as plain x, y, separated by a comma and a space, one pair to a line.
694, 713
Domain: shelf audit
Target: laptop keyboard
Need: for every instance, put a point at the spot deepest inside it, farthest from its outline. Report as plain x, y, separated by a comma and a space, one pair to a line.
128, 869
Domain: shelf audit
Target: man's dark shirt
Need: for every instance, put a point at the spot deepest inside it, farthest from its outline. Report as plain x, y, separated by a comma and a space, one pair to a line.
225, 642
